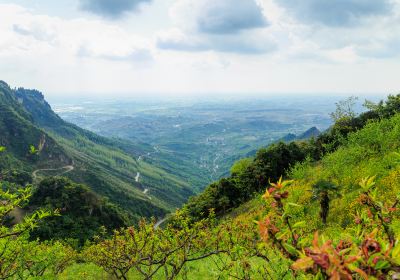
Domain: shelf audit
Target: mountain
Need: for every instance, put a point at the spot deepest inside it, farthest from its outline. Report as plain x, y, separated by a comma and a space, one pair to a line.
108, 166
18, 133
309, 133
289, 137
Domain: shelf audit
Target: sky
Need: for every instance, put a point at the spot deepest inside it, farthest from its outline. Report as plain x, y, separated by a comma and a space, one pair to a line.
112, 48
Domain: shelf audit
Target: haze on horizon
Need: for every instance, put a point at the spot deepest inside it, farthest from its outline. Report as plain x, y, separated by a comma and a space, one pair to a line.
188, 47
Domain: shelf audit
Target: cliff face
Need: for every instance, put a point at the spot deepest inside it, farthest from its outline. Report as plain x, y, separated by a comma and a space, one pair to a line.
33, 101
18, 132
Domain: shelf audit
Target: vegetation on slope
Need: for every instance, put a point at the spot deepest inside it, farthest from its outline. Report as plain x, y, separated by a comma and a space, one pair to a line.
82, 213
18, 133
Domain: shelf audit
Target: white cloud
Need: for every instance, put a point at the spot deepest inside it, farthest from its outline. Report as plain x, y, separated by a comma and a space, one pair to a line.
26, 31
52, 53
251, 42
337, 13
218, 17
370, 29
225, 26
111, 8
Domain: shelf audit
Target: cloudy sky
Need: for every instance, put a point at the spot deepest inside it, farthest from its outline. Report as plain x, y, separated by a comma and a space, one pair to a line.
194, 47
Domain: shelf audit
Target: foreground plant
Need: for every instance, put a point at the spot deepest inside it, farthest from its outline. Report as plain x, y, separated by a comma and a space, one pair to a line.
372, 253
147, 251
277, 229
19, 257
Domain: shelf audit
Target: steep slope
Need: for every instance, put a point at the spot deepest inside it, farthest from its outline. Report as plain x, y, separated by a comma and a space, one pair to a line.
82, 212
99, 162
357, 188
18, 133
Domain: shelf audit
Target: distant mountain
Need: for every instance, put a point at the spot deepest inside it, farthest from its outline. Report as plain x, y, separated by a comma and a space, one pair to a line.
289, 137
310, 133
109, 166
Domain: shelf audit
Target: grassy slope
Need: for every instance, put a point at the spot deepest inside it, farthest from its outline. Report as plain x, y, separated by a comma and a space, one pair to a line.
369, 152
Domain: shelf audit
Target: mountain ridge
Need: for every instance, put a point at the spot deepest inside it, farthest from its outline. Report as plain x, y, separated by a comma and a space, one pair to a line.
108, 166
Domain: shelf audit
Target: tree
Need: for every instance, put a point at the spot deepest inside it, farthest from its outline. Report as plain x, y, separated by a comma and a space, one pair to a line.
20, 178
13, 239
385, 109
82, 211
324, 191
147, 251
240, 166
345, 109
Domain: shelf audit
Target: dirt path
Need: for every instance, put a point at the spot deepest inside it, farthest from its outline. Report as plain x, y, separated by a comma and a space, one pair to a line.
66, 169
160, 222
145, 190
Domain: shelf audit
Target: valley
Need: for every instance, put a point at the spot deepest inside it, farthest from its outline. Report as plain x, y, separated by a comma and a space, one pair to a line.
195, 139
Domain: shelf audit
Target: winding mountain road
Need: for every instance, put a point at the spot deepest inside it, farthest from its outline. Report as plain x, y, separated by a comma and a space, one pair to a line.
146, 190
66, 169
160, 222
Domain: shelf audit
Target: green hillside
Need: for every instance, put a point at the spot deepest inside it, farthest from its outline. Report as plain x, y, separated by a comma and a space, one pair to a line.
108, 166
19, 133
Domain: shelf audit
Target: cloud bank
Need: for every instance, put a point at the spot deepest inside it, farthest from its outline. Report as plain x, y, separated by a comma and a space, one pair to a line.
225, 26
111, 8
227, 16
336, 13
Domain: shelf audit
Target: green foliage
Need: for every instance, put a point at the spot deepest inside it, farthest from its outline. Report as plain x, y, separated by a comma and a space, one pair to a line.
82, 212
248, 178
385, 109
18, 177
149, 251
45, 260
2, 149
240, 166
324, 191
368, 253
19, 257
344, 109
346, 122
33, 150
